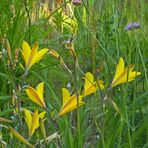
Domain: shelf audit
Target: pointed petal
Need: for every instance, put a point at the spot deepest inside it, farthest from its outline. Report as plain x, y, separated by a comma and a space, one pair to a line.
26, 51
35, 122
71, 105
42, 114
121, 79
28, 118
39, 55
134, 74
32, 94
66, 110
88, 80
35, 48
93, 88
33, 54
66, 96
119, 69
40, 89
89, 90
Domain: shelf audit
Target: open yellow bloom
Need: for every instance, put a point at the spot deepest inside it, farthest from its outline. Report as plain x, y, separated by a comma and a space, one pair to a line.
37, 95
69, 102
90, 85
32, 56
124, 75
32, 120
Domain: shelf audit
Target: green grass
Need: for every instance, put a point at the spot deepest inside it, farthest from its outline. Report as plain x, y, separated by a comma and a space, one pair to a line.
109, 119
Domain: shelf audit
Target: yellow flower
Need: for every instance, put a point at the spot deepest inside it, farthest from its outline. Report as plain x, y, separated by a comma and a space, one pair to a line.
124, 75
69, 102
32, 56
32, 120
37, 95
91, 86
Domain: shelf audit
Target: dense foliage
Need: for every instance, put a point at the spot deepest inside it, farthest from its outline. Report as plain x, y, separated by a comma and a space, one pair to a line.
74, 73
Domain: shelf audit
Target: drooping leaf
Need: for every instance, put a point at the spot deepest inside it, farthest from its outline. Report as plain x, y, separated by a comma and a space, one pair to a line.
20, 137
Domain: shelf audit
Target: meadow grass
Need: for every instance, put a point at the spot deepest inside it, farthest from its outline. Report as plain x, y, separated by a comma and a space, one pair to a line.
89, 37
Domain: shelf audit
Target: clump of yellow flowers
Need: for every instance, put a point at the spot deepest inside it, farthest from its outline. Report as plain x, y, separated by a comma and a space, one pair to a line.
70, 101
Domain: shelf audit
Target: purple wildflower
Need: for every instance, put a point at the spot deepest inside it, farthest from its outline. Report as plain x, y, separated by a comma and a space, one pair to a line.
77, 2
133, 25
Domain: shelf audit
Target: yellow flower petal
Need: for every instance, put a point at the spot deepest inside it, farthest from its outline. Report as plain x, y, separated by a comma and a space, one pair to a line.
71, 105
89, 79
40, 89
35, 122
42, 115
28, 118
38, 56
119, 69
122, 78
89, 90
134, 74
33, 54
90, 85
26, 51
66, 96
33, 95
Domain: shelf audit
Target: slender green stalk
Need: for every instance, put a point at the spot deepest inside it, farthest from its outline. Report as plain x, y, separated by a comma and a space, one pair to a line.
29, 20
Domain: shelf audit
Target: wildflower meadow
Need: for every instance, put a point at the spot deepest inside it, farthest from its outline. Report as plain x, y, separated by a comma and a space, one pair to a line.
73, 74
